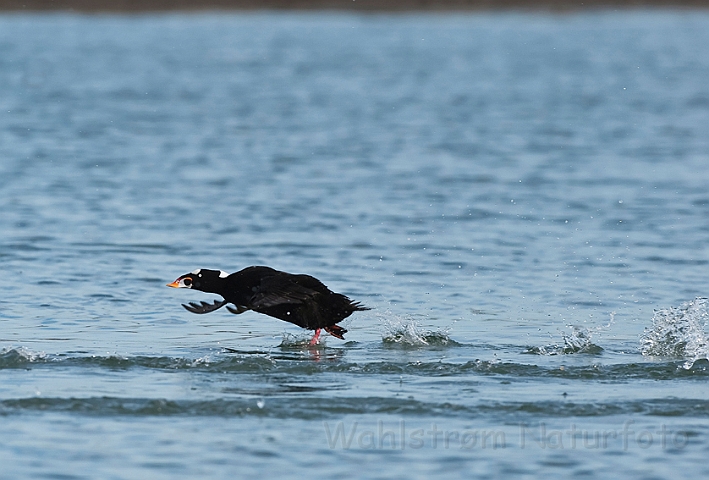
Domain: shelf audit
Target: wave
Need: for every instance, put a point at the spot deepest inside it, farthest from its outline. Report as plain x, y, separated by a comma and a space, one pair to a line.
297, 363
312, 408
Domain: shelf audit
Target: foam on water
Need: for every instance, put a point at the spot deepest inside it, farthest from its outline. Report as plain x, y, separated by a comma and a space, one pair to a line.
678, 332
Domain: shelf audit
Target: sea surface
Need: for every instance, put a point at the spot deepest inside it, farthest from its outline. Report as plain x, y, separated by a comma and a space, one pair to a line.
522, 200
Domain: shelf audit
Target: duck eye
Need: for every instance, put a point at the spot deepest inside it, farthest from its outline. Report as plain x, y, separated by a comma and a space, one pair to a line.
187, 282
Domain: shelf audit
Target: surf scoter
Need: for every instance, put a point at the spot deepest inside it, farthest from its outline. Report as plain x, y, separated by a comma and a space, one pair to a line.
299, 299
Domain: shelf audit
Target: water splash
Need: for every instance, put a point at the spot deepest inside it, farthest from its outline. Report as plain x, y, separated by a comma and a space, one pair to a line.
299, 342
298, 347
579, 340
19, 357
206, 360
407, 333
678, 332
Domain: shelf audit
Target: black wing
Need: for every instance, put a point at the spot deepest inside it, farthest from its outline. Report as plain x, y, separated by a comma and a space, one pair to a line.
279, 292
204, 307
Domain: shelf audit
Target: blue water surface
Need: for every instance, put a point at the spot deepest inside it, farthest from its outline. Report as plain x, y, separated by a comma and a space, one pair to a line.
522, 199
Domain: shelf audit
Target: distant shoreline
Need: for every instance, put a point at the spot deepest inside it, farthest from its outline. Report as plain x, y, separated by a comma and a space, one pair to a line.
137, 6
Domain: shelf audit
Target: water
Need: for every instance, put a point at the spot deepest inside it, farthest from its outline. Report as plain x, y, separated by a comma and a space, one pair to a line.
522, 200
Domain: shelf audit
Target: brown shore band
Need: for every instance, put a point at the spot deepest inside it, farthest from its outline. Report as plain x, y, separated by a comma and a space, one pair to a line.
344, 5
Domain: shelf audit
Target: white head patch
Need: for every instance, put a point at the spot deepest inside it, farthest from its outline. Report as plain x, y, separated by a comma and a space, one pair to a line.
223, 274
196, 272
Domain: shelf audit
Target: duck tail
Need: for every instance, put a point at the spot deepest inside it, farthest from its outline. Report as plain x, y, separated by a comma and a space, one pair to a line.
358, 307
